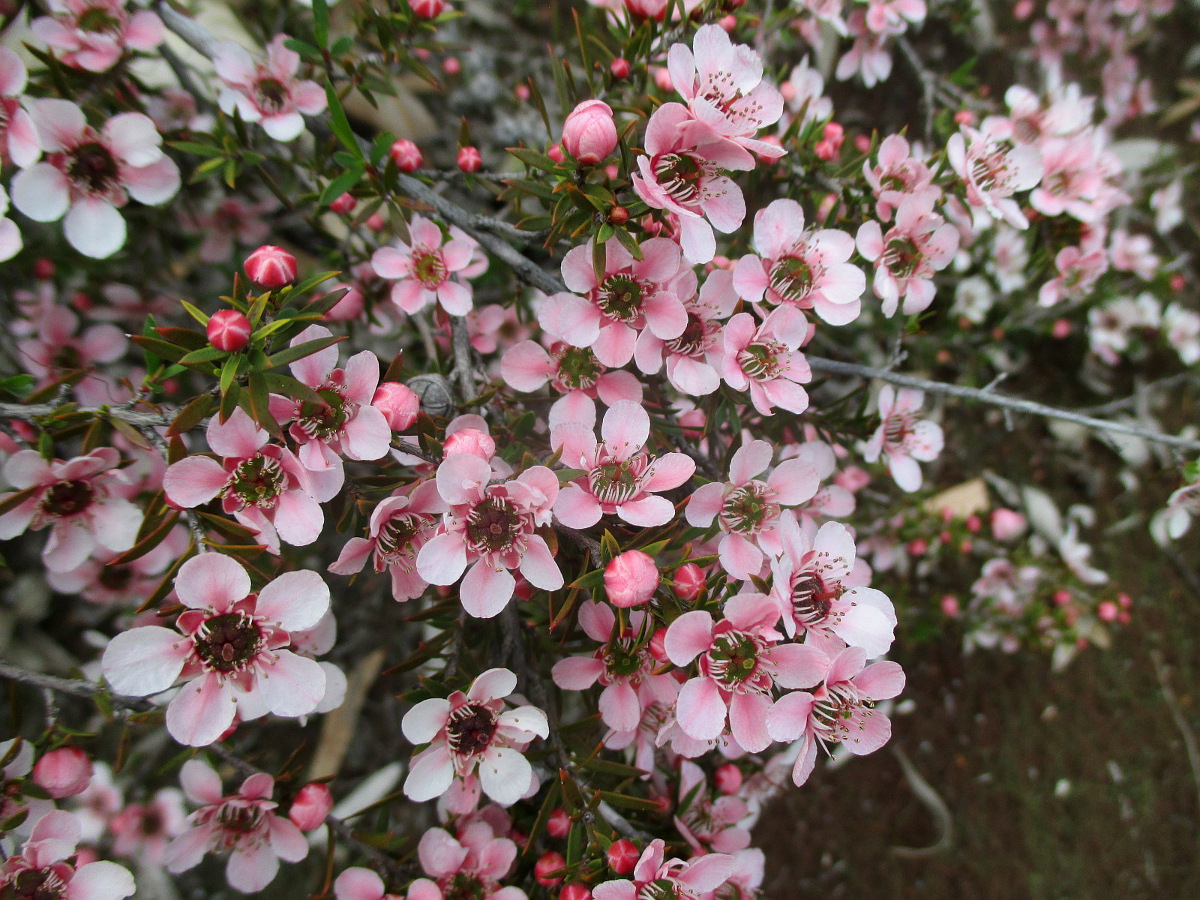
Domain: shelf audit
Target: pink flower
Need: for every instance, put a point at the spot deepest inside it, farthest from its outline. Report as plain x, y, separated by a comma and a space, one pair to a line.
357, 883
245, 824
994, 168
867, 57
748, 509
723, 85
740, 662
1079, 268
895, 175
589, 133
810, 582
42, 867
143, 830
263, 485
471, 866
11, 241
231, 650
268, 93
840, 711
800, 269
78, 499
64, 772
228, 221
633, 294
491, 528
473, 732
694, 358
344, 423
400, 526
889, 16
903, 437
630, 579
94, 34
18, 138
917, 245
621, 477
572, 371
57, 346
426, 271
766, 360
710, 825
90, 174
655, 876
684, 173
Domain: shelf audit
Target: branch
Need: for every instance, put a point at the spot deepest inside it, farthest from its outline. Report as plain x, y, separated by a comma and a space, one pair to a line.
819, 364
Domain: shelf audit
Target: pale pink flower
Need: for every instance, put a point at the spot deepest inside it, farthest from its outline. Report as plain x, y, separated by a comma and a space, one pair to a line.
693, 359
994, 168
400, 526
230, 650
1075, 178
344, 423
799, 269
867, 57
264, 486
491, 528
18, 138
724, 88
1181, 326
896, 175
428, 271
1079, 268
841, 710
804, 92
495, 327
575, 373
80, 500
655, 876
748, 509
621, 478
245, 824
740, 663
94, 34
88, 175
230, 222
473, 732
268, 93
708, 825
56, 345
906, 257
634, 294
893, 16
1133, 253
143, 830
766, 361
11, 241
811, 582
357, 883
903, 438
472, 865
46, 866
686, 175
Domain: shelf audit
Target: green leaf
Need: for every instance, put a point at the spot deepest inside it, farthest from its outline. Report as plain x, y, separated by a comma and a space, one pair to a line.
17, 385
305, 49
234, 366
192, 414
565, 475
308, 348
290, 387
203, 355
260, 404
340, 185
197, 149
147, 543
320, 10
533, 158
340, 124
195, 313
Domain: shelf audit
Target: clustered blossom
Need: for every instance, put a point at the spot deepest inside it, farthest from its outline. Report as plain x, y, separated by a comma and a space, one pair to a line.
430, 269
267, 93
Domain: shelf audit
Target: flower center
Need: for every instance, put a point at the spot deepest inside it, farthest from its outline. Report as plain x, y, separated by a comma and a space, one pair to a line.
733, 660
463, 886
272, 95
257, 481
792, 278
760, 360
396, 537
661, 889
621, 296
990, 171
325, 421
578, 368
493, 525
429, 268
67, 357
470, 729
35, 884
228, 643
681, 175
623, 659
897, 429
832, 713
902, 257
67, 498
98, 20
811, 600
92, 168
239, 819
116, 578
748, 509
617, 481
694, 340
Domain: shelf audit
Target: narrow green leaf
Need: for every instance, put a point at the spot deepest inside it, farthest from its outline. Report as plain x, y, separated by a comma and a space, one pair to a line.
198, 315
340, 124
308, 348
320, 10
340, 185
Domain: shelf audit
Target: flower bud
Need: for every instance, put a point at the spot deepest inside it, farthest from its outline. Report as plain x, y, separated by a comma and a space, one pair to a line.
451, 66
470, 440
589, 133
658, 645
630, 579
271, 267
43, 269
64, 772
575, 892
344, 204
559, 823
542, 869
1007, 525
228, 330
1107, 611
729, 779
470, 159
618, 215
427, 9
407, 155
689, 582
619, 67
312, 804
622, 856
950, 606
399, 404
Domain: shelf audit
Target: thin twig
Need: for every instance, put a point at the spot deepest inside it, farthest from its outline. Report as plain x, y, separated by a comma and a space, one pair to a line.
933, 802
1181, 722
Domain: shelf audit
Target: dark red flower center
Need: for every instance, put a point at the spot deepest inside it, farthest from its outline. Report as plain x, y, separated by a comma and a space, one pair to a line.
67, 498
228, 642
92, 168
470, 729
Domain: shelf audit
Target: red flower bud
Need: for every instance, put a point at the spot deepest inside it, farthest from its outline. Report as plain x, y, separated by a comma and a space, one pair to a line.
64, 772
398, 403
622, 856
43, 269
427, 9
559, 823
228, 330
344, 204
729, 779
549, 863
619, 67
407, 155
575, 892
470, 159
451, 65
312, 804
630, 579
657, 645
271, 267
589, 133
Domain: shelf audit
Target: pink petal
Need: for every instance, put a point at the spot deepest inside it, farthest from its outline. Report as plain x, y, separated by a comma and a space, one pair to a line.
576, 508
688, 637
200, 782
201, 711
619, 706
538, 565
238, 437
211, 580
194, 481
485, 590
430, 775
442, 559
748, 721
670, 471
144, 660
505, 775
94, 228
251, 867
648, 512
296, 600
298, 518
100, 880
700, 710
293, 685
577, 673
789, 716
750, 460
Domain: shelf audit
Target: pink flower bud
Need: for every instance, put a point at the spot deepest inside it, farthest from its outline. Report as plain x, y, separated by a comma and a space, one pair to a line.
950, 606
451, 65
1062, 598
619, 67
399, 404
1061, 329
648, 9
344, 204
825, 150
729, 779
774, 142
228, 330
965, 117
470, 159
622, 856
376, 222
728, 23
43, 269
918, 547
630, 579
658, 645
470, 440
689, 582
1007, 525
862, 143
1107, 611
558, 825
64, 772
542, 869
1177, 282
662, 79
1124, 600
427, 9
407, 155
852, 478
271, 267
973, 524
589, 134
522, 92
312, 804
575, 892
